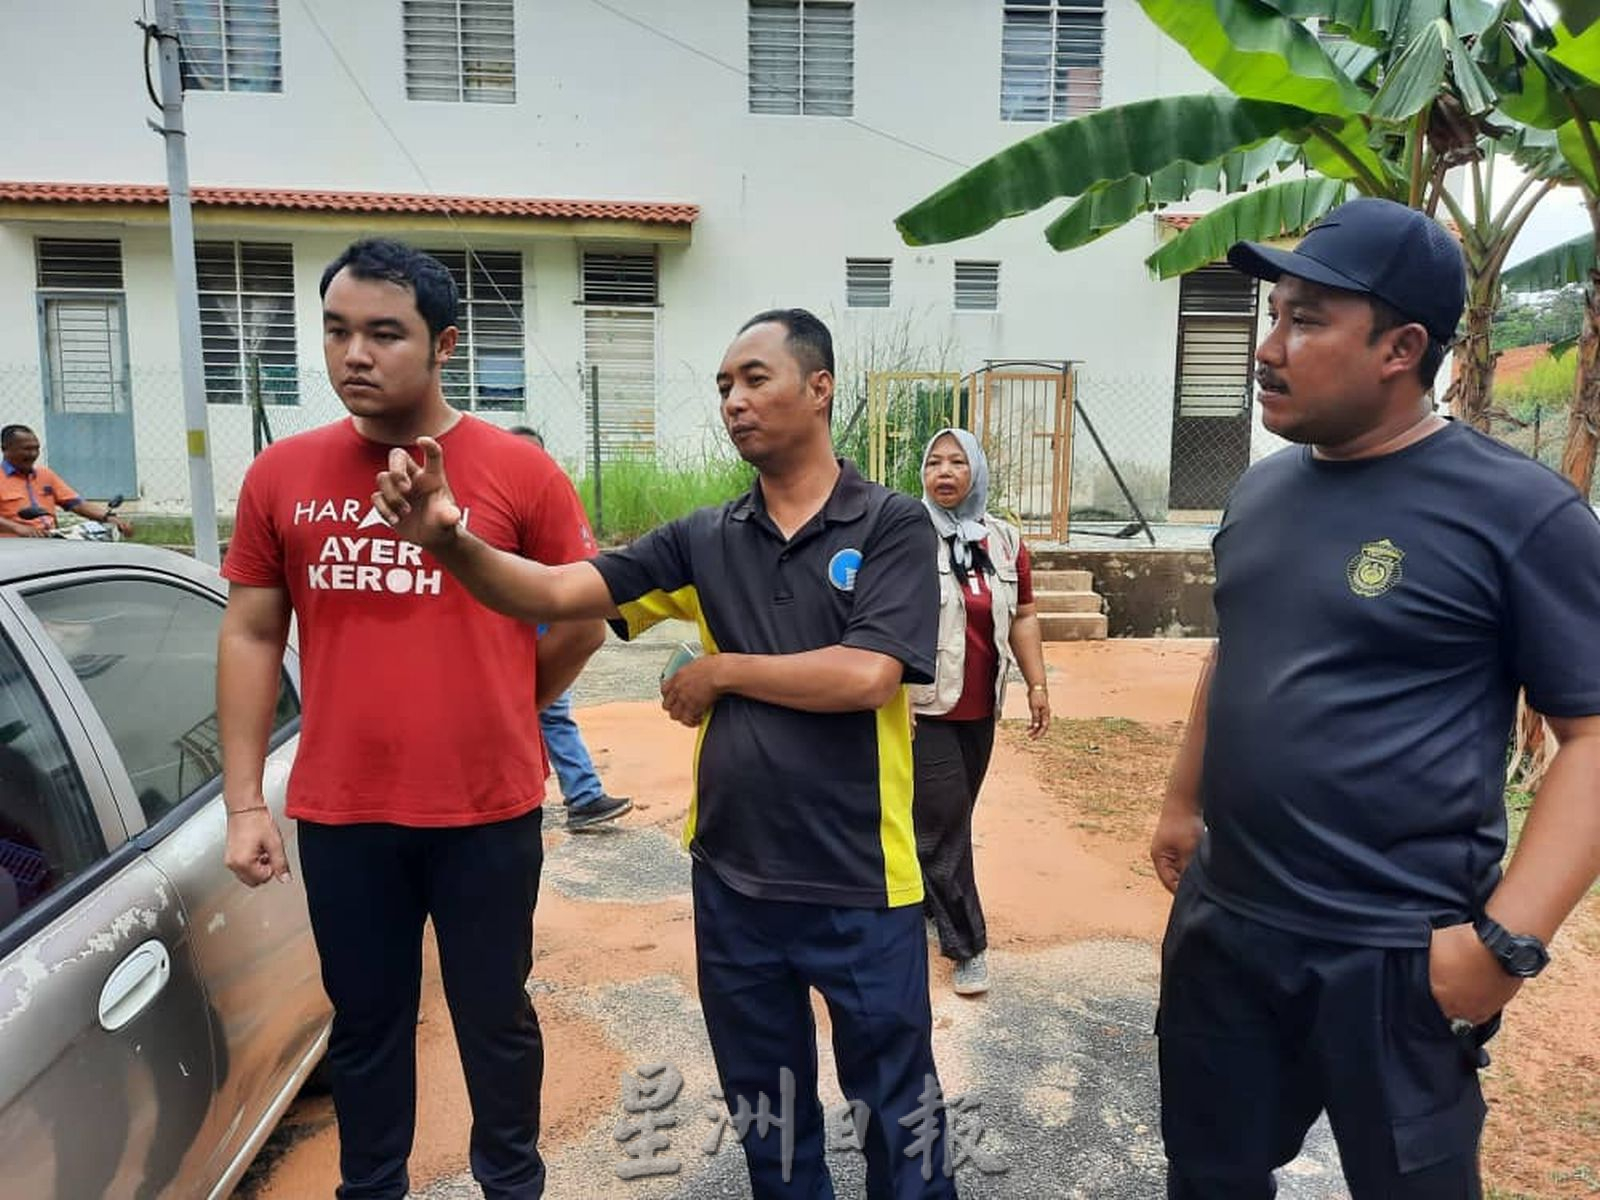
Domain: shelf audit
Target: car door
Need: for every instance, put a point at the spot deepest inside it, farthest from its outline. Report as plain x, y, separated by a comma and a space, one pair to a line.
144, 649
105, 1052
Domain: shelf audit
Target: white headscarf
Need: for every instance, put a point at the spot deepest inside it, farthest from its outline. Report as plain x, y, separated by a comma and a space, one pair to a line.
961, 526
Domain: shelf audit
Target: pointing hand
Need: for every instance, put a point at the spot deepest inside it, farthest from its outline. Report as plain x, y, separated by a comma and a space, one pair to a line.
415, 500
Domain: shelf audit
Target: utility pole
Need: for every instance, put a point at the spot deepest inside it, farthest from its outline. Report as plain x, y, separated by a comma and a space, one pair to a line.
202, 499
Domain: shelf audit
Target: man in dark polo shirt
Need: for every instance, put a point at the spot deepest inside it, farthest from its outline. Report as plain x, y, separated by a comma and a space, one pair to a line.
1342, 937
816, 599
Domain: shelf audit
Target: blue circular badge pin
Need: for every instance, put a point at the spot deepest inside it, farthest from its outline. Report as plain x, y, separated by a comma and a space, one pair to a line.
842, 568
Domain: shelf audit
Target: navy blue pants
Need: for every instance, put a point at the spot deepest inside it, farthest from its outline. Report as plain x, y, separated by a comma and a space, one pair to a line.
1261, 1030
758, 961
370, 888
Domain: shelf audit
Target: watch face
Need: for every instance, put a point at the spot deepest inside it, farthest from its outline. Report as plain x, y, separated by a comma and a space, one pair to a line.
1526, 958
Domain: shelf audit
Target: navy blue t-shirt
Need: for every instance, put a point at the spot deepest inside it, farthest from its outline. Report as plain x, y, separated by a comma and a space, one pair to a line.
1375, 620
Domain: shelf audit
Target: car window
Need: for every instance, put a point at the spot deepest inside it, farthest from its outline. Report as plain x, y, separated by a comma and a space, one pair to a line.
48, 829
146, 652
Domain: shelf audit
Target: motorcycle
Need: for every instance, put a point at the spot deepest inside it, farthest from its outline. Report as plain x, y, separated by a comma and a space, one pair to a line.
82, 530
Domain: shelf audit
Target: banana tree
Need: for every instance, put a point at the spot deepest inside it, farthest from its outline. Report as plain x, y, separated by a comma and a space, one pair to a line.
1549, 72
1388, 112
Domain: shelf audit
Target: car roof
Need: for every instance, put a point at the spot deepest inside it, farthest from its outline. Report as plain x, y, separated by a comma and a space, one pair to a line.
31, 558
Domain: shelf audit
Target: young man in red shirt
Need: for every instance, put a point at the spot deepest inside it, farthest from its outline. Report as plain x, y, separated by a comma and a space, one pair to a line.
414, 803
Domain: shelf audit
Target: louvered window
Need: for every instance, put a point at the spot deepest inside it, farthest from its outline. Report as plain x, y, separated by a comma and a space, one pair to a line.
802, 58
618, 277
488, 369
79, 263
1216, 342
247, 321
1051, 58
461, 50
868, 282
230, 45
978, 286
619, 348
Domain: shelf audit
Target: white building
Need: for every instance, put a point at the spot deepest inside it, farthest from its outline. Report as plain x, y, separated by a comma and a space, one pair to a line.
633, 179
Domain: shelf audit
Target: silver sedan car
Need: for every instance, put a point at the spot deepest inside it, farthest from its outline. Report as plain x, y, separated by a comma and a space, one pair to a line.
156, 1016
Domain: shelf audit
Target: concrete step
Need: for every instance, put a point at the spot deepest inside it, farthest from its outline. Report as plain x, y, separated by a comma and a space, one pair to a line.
1072, 626
1067, 602
1063, 581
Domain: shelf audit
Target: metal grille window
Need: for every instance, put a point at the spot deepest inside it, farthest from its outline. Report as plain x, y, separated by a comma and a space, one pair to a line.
802, 58
978, 286
1051, 58
1216, 342
488, 370
247, 321
619, 277
79, 263
868, 282
230, 45
461, 50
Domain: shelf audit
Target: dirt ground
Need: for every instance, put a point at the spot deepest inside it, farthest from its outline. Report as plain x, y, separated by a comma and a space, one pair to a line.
1061, 835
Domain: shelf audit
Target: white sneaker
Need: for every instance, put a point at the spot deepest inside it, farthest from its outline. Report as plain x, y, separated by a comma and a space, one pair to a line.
972, 976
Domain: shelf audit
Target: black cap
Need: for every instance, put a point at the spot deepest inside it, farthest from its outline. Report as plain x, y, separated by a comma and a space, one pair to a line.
1379, 248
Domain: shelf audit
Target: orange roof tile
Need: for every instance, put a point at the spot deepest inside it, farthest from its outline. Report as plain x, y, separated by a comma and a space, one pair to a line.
651, 212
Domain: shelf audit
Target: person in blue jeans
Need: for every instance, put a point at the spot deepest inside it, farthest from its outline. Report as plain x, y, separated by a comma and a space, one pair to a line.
587, 803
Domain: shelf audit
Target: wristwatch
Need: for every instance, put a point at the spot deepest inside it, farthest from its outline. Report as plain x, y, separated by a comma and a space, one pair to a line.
1519, 954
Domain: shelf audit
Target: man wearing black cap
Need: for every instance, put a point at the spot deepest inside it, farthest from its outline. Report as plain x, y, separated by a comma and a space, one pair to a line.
1342, 937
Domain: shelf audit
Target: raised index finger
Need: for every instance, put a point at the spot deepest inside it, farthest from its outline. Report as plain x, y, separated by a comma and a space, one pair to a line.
432, 456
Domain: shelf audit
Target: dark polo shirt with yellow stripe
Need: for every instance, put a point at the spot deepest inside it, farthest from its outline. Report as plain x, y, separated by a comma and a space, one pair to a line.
791, 805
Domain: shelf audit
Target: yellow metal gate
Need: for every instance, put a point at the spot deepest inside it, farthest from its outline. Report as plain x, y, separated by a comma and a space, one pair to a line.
1023, 417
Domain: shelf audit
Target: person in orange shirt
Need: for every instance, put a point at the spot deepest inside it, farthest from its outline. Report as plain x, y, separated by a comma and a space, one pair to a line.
26, 484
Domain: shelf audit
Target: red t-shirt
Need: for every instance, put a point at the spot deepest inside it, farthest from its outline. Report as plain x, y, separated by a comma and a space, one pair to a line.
983, 656
417, 701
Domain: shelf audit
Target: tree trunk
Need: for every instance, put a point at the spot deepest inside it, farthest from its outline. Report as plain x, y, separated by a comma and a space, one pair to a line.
1474, 382
1583, 419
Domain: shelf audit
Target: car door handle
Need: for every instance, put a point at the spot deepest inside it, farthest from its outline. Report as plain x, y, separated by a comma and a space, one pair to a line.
136, 981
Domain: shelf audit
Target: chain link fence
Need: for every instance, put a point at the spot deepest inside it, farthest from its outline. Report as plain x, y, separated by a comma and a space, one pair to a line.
686, 427
1133, 462
1542, 435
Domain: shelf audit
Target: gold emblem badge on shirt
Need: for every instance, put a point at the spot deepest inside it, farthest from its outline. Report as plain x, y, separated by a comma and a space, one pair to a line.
1375, 569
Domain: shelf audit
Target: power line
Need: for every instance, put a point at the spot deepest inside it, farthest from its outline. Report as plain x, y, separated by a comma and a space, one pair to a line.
733, 68
429, 189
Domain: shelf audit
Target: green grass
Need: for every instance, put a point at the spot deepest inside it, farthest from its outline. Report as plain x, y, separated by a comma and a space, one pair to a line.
638, 494
155, 530
1518, 802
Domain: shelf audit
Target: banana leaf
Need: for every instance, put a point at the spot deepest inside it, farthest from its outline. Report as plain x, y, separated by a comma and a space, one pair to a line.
1112, 205
1257, 52
1323, 143
1419, 75
1570, 262
1578, 153
1578, 15
1261, 213
1072, 158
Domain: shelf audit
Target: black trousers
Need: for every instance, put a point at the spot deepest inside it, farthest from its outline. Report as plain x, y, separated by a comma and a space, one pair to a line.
758, 961
370, 888
950, 760
1261, 1030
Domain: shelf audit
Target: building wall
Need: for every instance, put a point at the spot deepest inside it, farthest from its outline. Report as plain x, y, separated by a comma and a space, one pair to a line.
607, 109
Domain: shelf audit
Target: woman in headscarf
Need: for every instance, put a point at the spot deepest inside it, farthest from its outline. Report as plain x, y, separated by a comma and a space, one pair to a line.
986, 623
